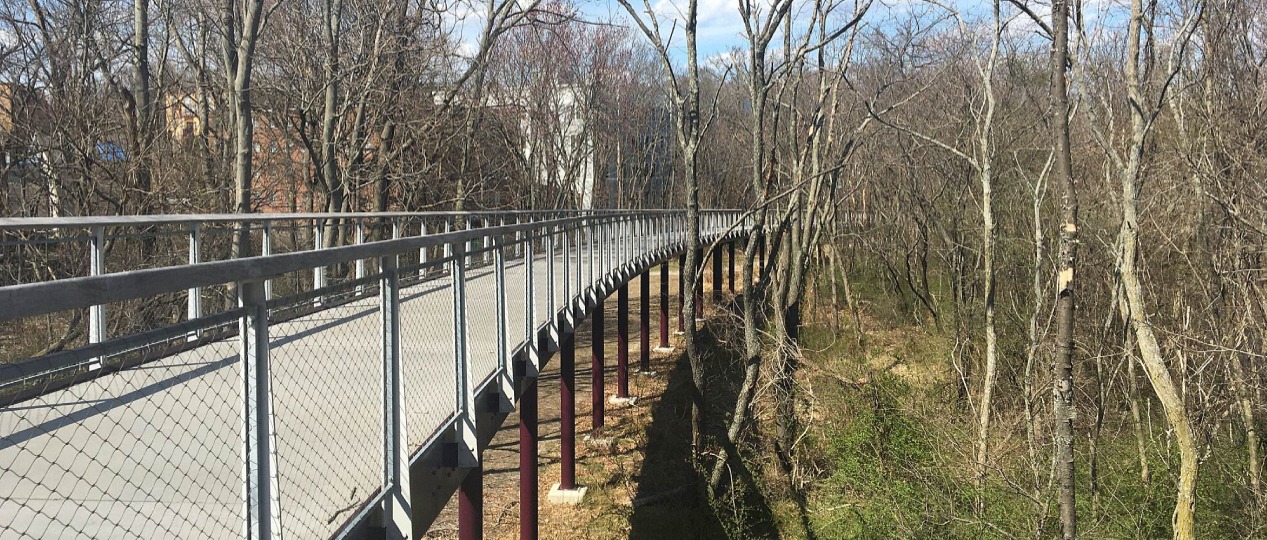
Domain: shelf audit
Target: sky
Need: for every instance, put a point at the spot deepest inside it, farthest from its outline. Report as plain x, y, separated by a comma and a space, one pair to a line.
721, 29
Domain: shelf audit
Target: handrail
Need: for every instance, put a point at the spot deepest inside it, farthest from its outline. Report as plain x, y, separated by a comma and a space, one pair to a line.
32, 299
164, 219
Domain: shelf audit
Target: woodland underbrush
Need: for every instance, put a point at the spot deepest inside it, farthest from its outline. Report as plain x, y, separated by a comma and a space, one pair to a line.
886, 450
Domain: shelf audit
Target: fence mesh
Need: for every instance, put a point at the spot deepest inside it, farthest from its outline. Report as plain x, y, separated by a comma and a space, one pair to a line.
481, 317
326, 383
427, 355
148, 451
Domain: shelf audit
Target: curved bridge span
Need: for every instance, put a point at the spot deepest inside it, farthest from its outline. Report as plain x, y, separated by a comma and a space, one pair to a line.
319, 389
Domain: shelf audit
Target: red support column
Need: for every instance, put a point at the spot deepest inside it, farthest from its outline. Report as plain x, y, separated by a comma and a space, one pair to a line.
664, 306
596, 367
699, 283
471, 505
760, 255
528, 434
681, 292
717, 274
730, 248
567, 411
644, 322
622, 341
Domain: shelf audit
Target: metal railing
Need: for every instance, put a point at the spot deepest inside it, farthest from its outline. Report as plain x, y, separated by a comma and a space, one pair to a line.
295, 389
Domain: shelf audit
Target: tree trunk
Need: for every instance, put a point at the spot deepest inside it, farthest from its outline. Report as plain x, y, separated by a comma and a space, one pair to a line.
1133, 291
1062, 364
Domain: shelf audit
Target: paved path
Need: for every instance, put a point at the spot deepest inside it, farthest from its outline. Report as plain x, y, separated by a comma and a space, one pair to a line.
155, 451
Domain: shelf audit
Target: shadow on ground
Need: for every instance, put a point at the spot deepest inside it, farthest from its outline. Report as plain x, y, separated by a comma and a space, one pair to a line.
670, 501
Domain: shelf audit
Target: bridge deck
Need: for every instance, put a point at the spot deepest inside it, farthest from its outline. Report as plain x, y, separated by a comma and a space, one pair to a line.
156, 450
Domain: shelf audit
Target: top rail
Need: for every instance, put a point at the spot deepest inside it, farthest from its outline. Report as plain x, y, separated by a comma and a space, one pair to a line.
166, 219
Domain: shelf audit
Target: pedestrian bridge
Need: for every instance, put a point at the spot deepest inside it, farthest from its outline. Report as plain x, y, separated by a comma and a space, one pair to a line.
324, 388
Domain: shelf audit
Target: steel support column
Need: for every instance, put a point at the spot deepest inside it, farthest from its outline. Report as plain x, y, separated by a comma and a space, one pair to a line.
664, 306
528, 460
622, 340
644, 321
681, 293
567, 411
730, 251
760, 255
597, 397
699, 283
471, 504
717, 277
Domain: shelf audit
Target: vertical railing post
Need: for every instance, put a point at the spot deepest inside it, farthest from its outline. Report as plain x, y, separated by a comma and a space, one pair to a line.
484, 224
259, 446
96, 313
567, 278
360, 263
424, 254
448, 246
551, 307
194, 308
588, 239
468, 455
470, 496
530, 296
470, 243
581, 229
266, 248
396, 515
519, 236
622, 341
318, 242
505, 371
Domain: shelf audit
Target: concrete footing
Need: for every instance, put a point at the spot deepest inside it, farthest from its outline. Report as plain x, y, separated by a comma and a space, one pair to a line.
566, 496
